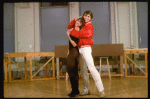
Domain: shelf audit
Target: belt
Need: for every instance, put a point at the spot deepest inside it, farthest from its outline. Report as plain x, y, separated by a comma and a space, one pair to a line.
85, 46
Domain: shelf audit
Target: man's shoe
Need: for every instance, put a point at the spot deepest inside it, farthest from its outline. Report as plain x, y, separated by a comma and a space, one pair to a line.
84, 93
102, 94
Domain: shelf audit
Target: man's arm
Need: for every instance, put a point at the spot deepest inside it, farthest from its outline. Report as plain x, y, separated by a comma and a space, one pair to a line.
71, 24
84, 33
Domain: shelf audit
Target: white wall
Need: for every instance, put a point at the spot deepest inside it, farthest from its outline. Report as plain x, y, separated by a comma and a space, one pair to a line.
126, 24
112, 22
27, 24
73, 10
27, 28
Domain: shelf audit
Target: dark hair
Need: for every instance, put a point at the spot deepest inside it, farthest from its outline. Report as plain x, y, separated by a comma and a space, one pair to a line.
88, 12
82, 21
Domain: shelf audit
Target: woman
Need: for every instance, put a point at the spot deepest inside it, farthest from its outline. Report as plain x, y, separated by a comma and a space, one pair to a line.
72, 63
85, 41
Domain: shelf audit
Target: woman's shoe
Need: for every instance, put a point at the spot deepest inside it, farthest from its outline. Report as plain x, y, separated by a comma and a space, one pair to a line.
73, 94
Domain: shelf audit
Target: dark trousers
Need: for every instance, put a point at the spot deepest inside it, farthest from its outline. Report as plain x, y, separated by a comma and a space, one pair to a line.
72, 69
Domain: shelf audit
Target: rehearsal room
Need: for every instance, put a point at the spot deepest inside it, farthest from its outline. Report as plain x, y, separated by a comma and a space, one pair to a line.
75, 49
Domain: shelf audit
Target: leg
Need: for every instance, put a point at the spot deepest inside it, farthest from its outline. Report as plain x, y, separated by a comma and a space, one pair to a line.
100, 66
84, 74
86, 53
72, 69
108, 69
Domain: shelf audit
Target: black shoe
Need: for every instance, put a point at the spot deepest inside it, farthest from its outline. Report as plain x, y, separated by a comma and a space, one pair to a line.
73, 94
69, 94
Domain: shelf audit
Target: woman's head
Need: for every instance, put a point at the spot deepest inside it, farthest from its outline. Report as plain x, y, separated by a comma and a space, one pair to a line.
88, 15
80, 22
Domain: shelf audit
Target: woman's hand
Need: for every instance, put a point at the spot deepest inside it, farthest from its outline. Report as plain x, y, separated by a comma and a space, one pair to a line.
68, 52
68, 33
73, 43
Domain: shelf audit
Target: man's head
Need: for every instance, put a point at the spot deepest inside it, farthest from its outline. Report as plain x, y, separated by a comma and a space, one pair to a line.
88, 15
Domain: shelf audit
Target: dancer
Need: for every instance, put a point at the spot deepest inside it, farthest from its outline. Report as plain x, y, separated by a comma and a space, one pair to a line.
85, 41
83, 66
72, 62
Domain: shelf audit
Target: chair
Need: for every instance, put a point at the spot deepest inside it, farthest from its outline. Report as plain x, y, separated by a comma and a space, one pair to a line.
107, 65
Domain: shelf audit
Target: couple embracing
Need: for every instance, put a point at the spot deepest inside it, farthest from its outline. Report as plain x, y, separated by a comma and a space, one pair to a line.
80, 34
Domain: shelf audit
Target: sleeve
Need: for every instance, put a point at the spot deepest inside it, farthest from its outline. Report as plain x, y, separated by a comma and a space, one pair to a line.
71, 24
84, 33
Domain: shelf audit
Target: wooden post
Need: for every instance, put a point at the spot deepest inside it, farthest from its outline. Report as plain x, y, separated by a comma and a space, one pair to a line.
46, 67
53, 66
100, 66
5, 65
30, 67
125, 65
146, 63
9, 65
57, 64
133, 64
25, 67
121, 65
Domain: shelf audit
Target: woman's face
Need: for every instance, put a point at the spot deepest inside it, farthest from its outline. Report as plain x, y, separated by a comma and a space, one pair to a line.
87, 17
78, 23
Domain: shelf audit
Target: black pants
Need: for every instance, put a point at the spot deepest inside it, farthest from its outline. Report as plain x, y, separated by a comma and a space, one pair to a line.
72, 69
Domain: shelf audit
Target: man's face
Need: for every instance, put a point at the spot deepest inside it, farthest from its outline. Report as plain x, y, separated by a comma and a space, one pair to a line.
87, 17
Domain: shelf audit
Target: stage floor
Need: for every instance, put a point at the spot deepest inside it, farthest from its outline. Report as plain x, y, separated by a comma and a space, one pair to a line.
116, 87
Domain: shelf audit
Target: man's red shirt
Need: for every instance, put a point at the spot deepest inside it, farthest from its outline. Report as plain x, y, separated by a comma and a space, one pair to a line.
85, 35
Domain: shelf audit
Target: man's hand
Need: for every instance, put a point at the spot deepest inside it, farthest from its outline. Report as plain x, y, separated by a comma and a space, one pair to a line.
71, 29
78, 17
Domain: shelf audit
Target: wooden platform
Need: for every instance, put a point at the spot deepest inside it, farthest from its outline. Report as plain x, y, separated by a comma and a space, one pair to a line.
30, 55
135, 51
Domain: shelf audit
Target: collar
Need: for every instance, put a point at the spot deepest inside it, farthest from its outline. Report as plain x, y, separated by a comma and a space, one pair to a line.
88, 22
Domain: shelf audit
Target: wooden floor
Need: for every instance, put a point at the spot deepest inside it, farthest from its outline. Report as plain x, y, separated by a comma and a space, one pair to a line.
116, 87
